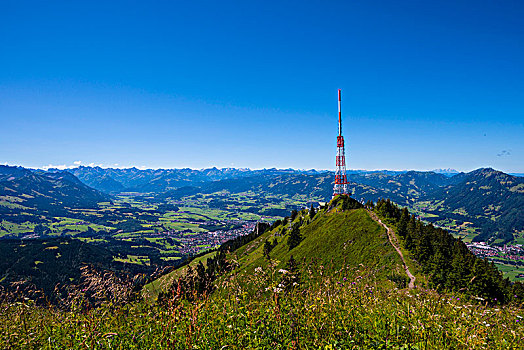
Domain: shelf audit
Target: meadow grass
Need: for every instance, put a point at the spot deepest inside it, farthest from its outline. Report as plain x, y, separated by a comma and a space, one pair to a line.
349, 309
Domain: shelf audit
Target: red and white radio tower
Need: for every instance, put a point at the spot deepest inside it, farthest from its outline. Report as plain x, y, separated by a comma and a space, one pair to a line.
341, 181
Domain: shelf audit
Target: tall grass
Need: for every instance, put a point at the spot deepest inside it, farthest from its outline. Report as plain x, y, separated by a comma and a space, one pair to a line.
345, 309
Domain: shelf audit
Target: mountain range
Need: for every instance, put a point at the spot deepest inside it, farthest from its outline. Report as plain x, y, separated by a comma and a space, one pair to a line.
43, 193
489, 201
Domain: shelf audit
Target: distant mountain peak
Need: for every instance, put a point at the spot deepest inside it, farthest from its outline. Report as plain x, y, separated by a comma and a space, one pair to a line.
445, 171
487, 172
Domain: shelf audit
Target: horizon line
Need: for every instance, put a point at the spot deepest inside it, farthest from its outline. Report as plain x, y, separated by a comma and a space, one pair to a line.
64, 167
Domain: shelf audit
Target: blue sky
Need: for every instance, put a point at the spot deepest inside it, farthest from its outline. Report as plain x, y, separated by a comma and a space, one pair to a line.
254, 83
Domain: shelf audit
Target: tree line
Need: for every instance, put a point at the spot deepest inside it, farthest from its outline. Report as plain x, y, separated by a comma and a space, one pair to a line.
446, 260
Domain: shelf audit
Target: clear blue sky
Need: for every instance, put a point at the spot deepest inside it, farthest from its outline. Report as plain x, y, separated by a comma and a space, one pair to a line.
254, 83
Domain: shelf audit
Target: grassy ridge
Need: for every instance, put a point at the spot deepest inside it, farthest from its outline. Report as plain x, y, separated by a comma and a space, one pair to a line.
332, 239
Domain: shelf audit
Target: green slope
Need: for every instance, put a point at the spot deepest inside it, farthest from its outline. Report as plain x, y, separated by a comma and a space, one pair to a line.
151, 290
332, 239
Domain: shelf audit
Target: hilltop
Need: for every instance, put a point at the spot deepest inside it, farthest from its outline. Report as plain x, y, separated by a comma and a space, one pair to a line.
333, 238
345, 232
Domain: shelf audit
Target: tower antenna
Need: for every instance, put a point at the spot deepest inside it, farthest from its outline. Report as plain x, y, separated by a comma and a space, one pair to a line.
339, 115
341, 182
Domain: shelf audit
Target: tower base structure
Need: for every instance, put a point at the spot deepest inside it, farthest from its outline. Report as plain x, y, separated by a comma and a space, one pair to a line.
341, 181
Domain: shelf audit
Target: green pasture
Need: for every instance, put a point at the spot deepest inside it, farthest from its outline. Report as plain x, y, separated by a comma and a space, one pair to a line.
134, 259
511, 271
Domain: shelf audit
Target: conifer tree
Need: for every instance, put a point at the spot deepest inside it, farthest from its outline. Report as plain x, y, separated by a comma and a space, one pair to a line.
424, 248
201, 278
403, 222
410, 234
447, 260
267, 249
438, 265
294, 238
312, 212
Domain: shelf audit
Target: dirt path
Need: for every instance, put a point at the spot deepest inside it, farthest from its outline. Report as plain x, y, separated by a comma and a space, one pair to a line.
391, 236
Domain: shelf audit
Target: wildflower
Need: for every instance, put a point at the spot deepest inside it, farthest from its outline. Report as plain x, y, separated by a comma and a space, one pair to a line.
283, 271
258, 269
344, 279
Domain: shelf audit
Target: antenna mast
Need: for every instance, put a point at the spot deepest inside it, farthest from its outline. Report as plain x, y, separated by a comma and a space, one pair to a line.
341, 181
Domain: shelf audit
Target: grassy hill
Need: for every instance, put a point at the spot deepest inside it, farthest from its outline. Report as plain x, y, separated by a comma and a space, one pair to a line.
151, 290
332, 239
